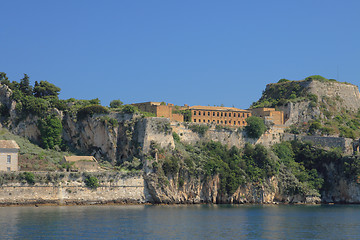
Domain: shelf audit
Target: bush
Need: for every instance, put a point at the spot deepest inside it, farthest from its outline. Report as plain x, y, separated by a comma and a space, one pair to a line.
29, 177
130, 109
255, 127
316, 77
170, 166
50, 129
116, 104
92, 182
89, 111
283, 80
199, 128
176, 137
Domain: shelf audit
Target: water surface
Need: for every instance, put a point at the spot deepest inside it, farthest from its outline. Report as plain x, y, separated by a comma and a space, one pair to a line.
181, 222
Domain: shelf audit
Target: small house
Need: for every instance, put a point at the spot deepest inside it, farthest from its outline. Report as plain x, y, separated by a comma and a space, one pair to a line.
81, 163
9, 153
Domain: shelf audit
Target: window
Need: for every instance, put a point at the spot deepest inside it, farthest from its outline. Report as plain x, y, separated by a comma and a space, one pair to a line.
225, 121
238, 122
208, 121
221, 114
248, 115
8, 159
238, 114
218, 121
194, 120
204, 120
217, 113
213, 114
208, 113
203, 113
9, 169
199, 113
194, 113
221, 122
225, 114
229, 114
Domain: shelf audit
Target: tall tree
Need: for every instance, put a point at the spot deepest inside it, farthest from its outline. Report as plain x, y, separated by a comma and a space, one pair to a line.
4, 79
44, 89
25, 86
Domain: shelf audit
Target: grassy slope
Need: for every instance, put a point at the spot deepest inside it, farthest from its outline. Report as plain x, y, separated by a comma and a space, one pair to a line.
32, 157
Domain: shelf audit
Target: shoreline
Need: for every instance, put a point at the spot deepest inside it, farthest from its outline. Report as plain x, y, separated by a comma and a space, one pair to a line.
132, 203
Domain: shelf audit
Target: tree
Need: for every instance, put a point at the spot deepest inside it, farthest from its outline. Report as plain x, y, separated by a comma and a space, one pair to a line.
4, 79
24, 85
116, 103
255, 127
50, 129
44, 89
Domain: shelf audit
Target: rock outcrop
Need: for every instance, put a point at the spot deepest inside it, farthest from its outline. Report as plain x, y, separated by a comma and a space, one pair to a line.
205, 190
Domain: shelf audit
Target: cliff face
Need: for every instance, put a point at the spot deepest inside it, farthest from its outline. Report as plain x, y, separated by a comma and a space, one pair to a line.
346, 94
206, 190
334, 96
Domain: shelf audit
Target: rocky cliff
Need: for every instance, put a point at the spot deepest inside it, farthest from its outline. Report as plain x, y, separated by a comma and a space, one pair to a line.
147, 144
331, 97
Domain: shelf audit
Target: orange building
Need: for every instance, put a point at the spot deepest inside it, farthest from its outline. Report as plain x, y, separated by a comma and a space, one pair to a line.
228, 116
269, 114
160, 110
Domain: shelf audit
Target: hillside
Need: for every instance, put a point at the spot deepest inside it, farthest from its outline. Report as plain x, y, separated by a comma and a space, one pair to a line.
191, 162
316, 106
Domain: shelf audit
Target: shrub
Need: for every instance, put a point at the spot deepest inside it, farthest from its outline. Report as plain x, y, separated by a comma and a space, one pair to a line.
199, 128
176, 137
29, 177
170, 166
316, 77
255, 127
283, 80
90, 110
130, 109
50, 129
92, 182
116, 104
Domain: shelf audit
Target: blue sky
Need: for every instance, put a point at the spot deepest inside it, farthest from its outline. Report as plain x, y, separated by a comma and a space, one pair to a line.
192, 52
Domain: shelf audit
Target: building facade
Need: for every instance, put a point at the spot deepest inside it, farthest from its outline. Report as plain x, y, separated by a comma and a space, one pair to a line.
160, 110
269, 115
9, 155
227, 116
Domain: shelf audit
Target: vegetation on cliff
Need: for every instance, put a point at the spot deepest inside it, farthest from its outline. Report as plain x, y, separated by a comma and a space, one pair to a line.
299, 167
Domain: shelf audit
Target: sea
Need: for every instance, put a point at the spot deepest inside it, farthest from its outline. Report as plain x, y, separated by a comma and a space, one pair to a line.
181, 222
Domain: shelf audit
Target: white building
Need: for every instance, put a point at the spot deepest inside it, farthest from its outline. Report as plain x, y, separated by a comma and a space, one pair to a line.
9, 152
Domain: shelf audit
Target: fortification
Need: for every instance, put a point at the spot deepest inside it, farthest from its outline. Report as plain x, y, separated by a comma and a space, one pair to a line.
160, 110
219, 115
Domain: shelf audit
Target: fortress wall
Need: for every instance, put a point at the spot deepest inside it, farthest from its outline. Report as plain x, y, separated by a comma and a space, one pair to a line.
327, 142
120, 189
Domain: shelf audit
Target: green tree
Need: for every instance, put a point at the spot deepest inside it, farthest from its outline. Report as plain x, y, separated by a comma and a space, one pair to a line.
50, 129
44, 88
92, 182
116, 103
255, 127
4, 79
130, 109
25, 86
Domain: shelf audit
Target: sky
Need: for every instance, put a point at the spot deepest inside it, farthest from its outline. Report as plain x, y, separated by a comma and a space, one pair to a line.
183, 52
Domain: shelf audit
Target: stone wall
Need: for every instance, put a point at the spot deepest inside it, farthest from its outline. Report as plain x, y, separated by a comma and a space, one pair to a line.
327, 142
114, 187
227, 136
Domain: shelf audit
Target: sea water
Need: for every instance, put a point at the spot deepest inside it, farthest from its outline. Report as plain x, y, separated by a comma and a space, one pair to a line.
181, 222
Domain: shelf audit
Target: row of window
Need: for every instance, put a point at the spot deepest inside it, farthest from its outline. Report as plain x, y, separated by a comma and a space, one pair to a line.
221, 114
221, 122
